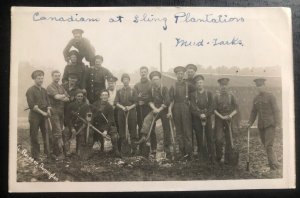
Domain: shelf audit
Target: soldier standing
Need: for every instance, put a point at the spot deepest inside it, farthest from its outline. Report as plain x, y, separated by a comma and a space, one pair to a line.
179, 94
74, 67
125, 101
159, 102
83, 45
225, 109
266, 109
143, 88
95, 79
39, 105
103, 120
202, 109
58, 97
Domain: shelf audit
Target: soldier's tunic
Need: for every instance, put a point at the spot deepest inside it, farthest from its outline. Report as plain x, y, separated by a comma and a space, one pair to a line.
37, 96
103, 119
84, 47
79, 69
225, 104
95, 81
76, 109
57, 117
202, 103
159, 96
143, 89
179, 93
127, 96
266, 109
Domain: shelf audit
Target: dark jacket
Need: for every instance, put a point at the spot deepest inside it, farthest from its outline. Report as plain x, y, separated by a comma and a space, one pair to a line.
74, 110
103, 115
79, 70
202, 103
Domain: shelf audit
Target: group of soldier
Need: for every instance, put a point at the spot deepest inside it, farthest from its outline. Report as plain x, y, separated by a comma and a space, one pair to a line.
84, 108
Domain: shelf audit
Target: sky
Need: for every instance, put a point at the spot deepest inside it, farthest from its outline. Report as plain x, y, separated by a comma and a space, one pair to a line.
127, 45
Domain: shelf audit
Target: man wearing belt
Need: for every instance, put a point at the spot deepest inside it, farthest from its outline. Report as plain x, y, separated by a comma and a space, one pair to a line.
179, 94
143, 88
225, 109
95, 79
266, 109
58, 97
202, 109
125, 101
39, 105
83, 45
159, 103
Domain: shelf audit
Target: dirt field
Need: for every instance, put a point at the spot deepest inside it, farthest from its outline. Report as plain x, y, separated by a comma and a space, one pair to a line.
103, 167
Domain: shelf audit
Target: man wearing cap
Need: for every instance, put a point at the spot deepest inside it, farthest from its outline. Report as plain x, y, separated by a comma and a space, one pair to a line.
125, 101
202, 109
159, 102
143, 109
180, 106
95, 79
74, 68
225, 108
83, 45
103, 119
76, 110
58, 97
266, 109
39, 105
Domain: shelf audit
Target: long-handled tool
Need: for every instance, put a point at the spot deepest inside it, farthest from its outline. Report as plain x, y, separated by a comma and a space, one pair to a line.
248, 151
48, 131
204, 145
234, 154
126, 147
172, 138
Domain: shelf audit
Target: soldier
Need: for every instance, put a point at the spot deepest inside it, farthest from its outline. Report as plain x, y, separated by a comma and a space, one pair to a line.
71, 86
225, 108
202, 109
266, 109
143, 88
77, 110
159, 102
126, 100
95, 79
75, 67
103, 120
83, 45
179, 94
58, 97
39, 105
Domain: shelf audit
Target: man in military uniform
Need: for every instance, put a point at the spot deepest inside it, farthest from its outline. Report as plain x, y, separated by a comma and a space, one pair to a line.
202, 109
142, 88
266, 109
75, 67
76, 110
159, 102
103, 119
179, 94
83, 45
125, 101
40, 110
58, 97
225, 109
95, 79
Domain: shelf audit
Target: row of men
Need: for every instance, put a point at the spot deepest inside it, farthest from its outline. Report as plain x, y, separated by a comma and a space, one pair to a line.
187, 102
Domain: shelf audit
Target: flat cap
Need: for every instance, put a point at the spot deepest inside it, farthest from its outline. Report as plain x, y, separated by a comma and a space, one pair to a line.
223, 81
179, 68
73, 52
191, 66
36, 73
98, 57
154, 73
78, 91
259, 81
198, 77
75, 31
112, 79
125, 76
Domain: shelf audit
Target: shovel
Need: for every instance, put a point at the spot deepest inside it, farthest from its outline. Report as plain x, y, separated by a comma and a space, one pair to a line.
248, 151
172, 138
146, 147
126, 147
234, 154
203, 123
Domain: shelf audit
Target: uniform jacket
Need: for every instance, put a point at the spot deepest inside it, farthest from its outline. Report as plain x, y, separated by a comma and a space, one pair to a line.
79, 109
103, 123
202, 103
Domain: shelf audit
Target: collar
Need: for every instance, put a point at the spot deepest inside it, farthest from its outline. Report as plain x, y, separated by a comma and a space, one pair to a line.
40, 88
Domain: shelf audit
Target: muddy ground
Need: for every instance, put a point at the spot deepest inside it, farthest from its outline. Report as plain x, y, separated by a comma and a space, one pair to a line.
103, 167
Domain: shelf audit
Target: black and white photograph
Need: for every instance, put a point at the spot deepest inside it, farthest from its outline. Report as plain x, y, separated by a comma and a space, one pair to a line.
151, 99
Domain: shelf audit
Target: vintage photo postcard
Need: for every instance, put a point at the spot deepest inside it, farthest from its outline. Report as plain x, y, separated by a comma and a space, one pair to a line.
151, 99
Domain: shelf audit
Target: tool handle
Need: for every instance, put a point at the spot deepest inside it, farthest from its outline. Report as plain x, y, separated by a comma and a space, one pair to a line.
230, 133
